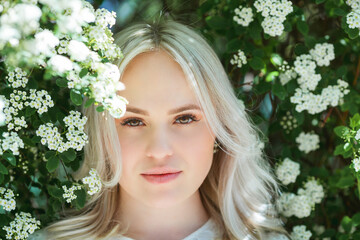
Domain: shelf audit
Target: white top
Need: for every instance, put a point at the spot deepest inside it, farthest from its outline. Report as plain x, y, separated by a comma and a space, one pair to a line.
208, 231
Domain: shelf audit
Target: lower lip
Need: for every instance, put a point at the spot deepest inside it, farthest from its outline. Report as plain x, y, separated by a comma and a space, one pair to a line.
161, 178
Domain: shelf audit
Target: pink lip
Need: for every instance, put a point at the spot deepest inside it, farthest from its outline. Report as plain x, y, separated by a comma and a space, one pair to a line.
161, 178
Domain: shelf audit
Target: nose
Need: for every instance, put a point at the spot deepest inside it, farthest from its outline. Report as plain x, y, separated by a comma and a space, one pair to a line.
159, 144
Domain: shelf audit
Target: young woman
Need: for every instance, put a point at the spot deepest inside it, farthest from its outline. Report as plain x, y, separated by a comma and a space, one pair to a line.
184, 162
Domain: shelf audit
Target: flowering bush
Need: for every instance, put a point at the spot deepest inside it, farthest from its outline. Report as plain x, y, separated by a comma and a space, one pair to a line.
53, 54
296, 66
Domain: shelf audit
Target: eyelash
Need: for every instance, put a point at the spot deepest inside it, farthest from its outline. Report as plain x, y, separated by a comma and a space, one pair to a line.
186, 116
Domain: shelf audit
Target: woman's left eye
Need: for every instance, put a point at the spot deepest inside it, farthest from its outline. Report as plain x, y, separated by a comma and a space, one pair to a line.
186, 119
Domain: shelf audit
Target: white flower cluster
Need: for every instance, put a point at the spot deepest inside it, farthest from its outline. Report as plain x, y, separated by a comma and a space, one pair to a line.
300, 233
316, 103
353, 18
357, 136
7, 200
287, 73
11, 141
93, 181
300, 205
287, 171
356, 163
82, 41
22, 226
20, 20
305, 67
288, 122
243, 16
75, 134
323, 54
313, 190
239, 59
274, 13
69, 194
40, 100
17, 78
308, 142
2, 114
76, 15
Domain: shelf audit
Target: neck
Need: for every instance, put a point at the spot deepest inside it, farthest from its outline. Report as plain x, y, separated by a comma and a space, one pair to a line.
149, 222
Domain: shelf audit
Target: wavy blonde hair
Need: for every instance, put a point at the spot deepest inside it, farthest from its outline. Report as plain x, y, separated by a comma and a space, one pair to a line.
240, 188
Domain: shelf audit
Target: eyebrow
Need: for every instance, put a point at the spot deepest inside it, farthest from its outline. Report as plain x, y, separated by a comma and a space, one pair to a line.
172, 111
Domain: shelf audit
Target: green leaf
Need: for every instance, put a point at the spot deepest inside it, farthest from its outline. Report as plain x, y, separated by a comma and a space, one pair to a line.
45, 117
216, 22
346, 181
50, 154
52, 163
256, 63
355, 121
319, 1
100, 108
83, 72
356, 219
55, 191
1, 180
353, 33
302, 27
271, 76
69, 155
300, 49
279, 91
341, 130
61, 82
89, 102
29, 111
234, 45
339, 150
80, 199
340, 12
3, 169
76, 97
255, 30
346, 223
10, 158
276, 59
341, 71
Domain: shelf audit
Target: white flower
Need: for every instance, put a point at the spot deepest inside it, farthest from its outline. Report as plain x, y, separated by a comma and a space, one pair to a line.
45, 42
353, 3
116, 106
69, 194
301, 206
356, 164
60, 63
78, 50
323, 54
93, 182
284, 204
11, 141
7, 200
288, 171
300, 233
243, 16
9, 34
23, 16
17, 78
357, 136
308, 142
274, 13
22, 226
313, 190
239, 59
286, 76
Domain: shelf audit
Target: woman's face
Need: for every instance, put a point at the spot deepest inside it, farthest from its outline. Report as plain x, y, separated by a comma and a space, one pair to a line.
163, 130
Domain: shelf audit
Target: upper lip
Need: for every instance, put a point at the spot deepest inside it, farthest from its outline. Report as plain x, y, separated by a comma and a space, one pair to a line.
161, 170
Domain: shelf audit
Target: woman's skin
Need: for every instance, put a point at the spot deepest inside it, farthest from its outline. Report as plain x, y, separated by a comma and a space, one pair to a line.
155, 133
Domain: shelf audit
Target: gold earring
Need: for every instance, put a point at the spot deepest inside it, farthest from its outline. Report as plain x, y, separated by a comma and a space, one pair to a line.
216, 147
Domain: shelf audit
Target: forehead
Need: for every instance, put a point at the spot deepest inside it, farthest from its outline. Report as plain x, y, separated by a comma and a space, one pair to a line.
156, 78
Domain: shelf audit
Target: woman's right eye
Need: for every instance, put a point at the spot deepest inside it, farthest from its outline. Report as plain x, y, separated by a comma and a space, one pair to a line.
132, 122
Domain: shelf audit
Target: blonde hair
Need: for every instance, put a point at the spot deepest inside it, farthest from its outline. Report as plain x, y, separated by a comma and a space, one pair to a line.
240, 188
